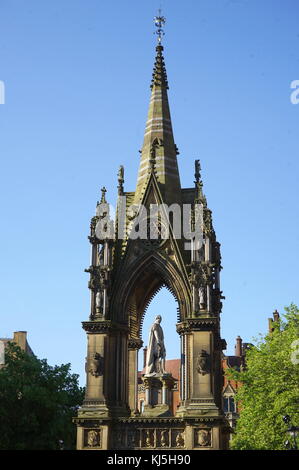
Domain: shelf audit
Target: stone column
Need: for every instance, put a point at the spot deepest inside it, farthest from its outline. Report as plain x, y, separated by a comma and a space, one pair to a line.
201, 358
134, 346
167, 387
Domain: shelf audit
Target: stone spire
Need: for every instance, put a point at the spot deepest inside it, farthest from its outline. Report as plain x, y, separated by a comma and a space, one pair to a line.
158, 139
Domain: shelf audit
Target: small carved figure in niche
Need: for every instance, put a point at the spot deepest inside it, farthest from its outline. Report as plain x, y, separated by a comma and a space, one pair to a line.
180, 441
203, 437
131, 438
164, 438
148, 439
201, 295
203, 363
118, 439
93, 438
96, 365
101, 256
99, 301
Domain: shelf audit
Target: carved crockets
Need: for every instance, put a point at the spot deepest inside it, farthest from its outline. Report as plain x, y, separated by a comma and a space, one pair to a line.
121, 179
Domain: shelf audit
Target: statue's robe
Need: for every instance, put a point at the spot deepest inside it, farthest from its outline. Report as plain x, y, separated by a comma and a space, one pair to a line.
156, 338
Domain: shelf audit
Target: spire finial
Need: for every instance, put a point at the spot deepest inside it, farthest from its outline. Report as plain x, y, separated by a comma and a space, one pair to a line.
103, 198
197, 174
159, 23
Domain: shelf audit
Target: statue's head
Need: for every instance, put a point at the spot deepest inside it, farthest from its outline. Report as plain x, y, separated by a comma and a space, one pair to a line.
158, 319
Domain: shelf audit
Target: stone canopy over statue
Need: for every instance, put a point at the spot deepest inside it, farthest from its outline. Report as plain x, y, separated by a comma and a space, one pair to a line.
156, 352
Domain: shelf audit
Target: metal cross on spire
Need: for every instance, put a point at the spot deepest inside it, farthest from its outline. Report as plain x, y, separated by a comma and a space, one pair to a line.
159, 23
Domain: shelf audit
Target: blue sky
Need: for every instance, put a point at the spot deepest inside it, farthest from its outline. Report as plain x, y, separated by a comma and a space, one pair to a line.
77, 77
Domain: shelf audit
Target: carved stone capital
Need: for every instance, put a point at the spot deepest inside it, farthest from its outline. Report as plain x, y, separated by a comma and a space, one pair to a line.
103, 326
135, 343
198, 324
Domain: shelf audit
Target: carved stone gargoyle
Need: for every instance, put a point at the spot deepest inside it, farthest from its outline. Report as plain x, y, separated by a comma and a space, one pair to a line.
96, 365
203, 362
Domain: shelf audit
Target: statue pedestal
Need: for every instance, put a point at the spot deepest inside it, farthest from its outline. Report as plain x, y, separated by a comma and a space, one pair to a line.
158, 394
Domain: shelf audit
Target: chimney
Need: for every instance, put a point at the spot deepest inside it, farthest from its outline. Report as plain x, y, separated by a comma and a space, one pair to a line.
144, 356
238, 346
275, 316
20, 338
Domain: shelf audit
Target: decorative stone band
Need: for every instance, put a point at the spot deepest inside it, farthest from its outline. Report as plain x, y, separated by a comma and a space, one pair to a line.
93, 403
145, 163
198, 324
170, 421
103, 326
161, 129
158, 119
158, 173
90, 422
165, 170
157, 126
138, 419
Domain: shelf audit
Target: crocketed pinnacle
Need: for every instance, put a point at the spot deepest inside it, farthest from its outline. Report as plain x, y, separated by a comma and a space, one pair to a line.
159, 73
159, 152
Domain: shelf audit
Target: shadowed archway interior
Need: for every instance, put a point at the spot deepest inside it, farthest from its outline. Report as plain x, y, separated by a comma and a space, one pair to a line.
163, 303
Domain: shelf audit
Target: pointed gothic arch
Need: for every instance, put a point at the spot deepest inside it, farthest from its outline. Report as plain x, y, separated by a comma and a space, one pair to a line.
143, 280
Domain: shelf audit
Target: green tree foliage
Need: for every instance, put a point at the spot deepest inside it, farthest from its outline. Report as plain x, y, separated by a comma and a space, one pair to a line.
270, 387
37, 402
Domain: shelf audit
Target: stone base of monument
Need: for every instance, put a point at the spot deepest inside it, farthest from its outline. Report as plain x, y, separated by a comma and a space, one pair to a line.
198, 407
158, 396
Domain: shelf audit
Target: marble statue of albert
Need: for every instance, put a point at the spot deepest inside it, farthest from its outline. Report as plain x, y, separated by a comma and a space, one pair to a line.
156, 352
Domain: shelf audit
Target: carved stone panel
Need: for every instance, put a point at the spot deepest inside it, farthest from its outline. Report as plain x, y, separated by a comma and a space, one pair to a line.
132, 438
203, 363
92, 438
163, 438
177, 438
203, 437
96, 365
119, 439
148, 438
